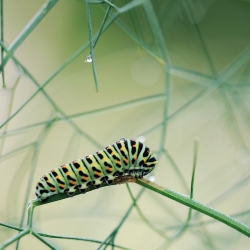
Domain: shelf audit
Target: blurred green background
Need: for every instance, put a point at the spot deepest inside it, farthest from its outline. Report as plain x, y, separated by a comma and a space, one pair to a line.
173, 73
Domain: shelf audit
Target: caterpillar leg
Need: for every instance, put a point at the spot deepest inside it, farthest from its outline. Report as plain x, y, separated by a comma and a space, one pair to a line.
82, 190
137, 173
117, 173
109, 182
140, 173
43, 199
70, 194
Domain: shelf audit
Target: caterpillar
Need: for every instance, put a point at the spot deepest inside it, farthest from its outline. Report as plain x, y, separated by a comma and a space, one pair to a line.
124, 157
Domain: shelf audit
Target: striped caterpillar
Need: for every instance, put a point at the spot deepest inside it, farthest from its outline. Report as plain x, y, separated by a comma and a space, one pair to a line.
125, 157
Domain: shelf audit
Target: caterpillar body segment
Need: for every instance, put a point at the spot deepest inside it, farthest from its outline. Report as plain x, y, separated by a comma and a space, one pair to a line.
95, 170
82, 175
124, 157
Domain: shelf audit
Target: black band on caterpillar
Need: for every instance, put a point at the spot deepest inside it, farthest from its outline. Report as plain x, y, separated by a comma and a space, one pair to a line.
125, 157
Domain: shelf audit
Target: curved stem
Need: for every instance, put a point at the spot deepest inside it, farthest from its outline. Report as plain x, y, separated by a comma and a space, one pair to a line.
14, 238
185, 200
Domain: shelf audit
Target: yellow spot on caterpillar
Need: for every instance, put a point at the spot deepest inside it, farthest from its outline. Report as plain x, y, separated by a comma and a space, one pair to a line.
72, 182
85, 178
52, 189
125, 159
97, 173
109, 169
62, 185
117, 162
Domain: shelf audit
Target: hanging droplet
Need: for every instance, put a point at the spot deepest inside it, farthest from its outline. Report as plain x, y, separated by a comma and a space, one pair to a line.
89, 58
151, 178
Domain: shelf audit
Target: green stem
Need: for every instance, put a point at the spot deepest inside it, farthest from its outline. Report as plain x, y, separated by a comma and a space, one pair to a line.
28, 29
143, 217
112, 235
43, 240
185, 200
196, 145
14, 238
2, 39
30, 214
186, 224
101, 30
117, 107
11, 227
78, 238
91, 45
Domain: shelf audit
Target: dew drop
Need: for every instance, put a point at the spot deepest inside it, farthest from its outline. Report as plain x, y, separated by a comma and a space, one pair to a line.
89, 58
151, 178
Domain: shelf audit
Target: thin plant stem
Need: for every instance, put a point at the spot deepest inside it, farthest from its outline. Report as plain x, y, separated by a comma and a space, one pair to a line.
11, 227
144, 218
183, 199
186, 224
116, 107
115, 231
180, 198
79, 239
2, 39
10, 105
14, 238
177, 170
43, 240
44, 10
101, 30
92, 58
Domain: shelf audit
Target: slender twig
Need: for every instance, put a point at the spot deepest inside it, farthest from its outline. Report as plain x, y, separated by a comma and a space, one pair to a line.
186, 224
43, 11
43, 240
185, 200
92, 58
180, 198
2, 39
14, 238
10, 106
113, 234
31, 175
144, 218
112, 108
88, 59
78, 238
11, 227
